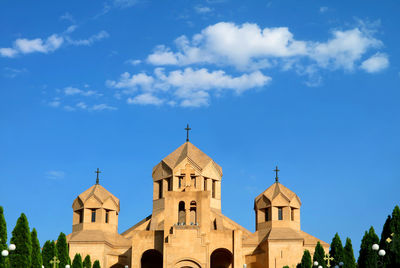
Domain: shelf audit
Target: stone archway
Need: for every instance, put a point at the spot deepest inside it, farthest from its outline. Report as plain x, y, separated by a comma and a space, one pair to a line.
221, 258
151, 259
187, 264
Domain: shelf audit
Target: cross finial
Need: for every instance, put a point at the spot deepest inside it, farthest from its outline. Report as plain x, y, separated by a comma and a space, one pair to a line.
187, 132
98, 172
276, 174
55, 262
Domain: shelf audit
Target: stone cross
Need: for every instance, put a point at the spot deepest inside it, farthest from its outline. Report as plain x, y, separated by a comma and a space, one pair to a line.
187, 132
55, 262
98, 172
188, 171
328, 258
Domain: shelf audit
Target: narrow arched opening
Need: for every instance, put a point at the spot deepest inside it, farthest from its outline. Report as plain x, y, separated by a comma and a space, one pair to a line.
221, 258
193, 213
151, 259
181, 213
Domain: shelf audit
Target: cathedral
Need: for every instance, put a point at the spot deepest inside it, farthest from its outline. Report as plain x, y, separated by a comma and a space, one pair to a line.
187, 227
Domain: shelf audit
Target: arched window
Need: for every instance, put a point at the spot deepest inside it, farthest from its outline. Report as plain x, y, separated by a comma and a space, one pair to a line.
181, 213
193, 212
221, 258
151, 259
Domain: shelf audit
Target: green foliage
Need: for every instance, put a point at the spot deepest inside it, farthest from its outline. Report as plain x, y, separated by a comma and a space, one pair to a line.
62, 250
286, 266
336, 250
87, 263
36, 255
306, 260
319, 255
390, 229
96, 264
21, 237
368, 257
48, 253
395, 251
3, 236
77, 262
348, 255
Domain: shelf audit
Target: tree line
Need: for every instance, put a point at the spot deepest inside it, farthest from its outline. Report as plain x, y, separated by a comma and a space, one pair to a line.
368, 258
28, 253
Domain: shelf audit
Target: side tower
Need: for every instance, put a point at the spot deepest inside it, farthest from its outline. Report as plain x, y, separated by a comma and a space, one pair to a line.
95, 228
280, 240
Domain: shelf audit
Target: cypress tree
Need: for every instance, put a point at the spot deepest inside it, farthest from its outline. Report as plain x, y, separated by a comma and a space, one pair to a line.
368, 257
348, 255
21, 237
336, 250
36, 255
77, 262
319, 255
3, 236
96, 264
62, 250
395, 222
87, 263
306, 260
48, 253
395, 249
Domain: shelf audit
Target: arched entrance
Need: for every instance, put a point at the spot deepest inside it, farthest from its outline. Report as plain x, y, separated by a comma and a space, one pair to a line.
221, 258
151, 259
187, 264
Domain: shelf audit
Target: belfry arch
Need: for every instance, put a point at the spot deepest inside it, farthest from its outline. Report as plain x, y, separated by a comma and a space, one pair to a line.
151, 259
221, 258
187, 263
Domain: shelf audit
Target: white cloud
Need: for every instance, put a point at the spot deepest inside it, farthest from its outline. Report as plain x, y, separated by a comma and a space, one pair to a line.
68, 17
69, 91
145, 99
124, 3
55, 174
101, 107
134, 62
89, 41
248, 46
323, 9
82, 105
202, 9
55, 103
376, 63
27, 46
188, 87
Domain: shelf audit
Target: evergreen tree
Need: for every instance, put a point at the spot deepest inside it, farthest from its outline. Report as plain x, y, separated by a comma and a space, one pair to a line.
87, 263
319, 255
395, 223
306, 260
96, 264
3, 236
336, 251
286, 266
348, 255
395, 250
77, 262
368, 257
21, 237
390, 229
36, 255
48, 253
62, 250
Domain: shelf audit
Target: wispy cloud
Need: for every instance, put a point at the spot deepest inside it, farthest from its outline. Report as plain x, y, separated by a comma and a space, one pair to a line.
323, 9
133, 62
188, 87
12, 72
89, 41
68, 17
376, 63
202, 9
69, 91
55, 174
27, 46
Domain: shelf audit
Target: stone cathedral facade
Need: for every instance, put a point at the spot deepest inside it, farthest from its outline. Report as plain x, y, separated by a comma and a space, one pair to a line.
187, 227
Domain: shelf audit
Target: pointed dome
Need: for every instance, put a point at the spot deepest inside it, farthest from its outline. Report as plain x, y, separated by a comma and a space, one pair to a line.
276, 190
194, 154
99, 193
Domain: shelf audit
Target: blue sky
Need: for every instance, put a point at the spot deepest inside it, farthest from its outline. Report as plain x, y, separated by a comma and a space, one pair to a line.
311, 86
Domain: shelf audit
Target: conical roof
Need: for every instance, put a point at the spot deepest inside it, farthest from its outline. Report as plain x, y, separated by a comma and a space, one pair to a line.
277, 189
99, 192
194, 154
